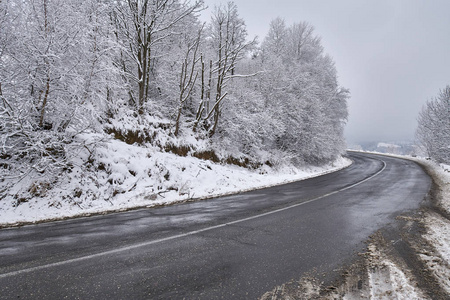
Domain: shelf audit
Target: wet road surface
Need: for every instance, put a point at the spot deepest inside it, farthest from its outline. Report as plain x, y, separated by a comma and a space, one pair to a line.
235, 247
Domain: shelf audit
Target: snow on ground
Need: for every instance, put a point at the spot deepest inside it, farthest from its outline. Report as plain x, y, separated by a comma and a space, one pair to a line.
386, 145
124, 176
388, 281
438, 234
441, 176
445, 167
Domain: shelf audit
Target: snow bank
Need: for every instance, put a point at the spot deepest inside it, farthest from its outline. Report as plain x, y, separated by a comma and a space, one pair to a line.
122, 176
438, 234
441, 176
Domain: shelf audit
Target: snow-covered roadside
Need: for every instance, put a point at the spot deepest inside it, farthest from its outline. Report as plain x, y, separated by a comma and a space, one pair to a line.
382, 273
441, 176
438, 261
387, 280
437, 226
125, 176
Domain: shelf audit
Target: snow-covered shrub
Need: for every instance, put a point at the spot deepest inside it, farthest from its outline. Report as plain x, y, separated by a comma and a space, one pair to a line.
433, 130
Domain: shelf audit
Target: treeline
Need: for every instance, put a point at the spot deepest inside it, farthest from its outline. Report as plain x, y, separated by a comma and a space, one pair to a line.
69, 67
433, 131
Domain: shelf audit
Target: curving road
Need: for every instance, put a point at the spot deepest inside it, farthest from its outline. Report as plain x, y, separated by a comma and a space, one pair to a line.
235, 247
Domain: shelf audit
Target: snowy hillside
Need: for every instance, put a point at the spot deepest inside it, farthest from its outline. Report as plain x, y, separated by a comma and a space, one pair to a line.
120, 176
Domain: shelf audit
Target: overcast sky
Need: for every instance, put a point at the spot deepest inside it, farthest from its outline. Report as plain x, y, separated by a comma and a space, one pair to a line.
393, 55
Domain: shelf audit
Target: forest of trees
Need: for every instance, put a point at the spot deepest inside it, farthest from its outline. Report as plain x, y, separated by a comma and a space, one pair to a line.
433, 131
68, 67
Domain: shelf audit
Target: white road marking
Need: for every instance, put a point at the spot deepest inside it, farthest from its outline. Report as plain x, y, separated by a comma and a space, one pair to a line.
144, 244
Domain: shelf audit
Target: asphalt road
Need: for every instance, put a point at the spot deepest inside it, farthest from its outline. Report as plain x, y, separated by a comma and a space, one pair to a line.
235, 247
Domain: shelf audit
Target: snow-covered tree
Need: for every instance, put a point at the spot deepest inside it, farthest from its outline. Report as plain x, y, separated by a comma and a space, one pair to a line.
188, 74
53, 83
300, 85
71, 70
275, 41
433, 131
142, 27
228, 41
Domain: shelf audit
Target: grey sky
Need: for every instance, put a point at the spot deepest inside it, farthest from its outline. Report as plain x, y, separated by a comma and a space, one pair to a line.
393, 55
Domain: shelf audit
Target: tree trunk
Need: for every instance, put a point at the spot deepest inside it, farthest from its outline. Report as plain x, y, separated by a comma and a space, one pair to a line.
177, 122
44, 103
208, 92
